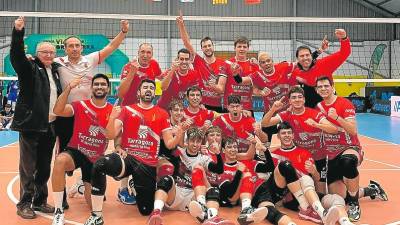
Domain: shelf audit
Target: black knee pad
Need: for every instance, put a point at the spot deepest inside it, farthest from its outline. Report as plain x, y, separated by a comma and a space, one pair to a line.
287, 171
212, 194
274, 215
165, 183
348, 165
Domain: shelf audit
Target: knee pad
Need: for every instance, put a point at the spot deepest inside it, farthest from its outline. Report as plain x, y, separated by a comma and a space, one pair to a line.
348, 165
197, 178
332, 200
212, 194
274, 215
307, 183
165, 170
287, 171
165, 183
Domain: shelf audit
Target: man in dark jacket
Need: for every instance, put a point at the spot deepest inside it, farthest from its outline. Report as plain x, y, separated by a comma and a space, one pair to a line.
33, 119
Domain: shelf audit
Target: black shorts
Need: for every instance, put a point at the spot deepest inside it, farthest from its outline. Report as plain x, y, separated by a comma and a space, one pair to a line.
332, 173
270, 131
218, 109
64, 127
81, 161
268, 191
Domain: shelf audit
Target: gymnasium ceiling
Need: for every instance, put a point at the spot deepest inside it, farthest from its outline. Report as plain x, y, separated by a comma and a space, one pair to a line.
388, 8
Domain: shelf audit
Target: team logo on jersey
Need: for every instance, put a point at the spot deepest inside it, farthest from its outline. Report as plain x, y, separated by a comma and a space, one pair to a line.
143, 131
303, 136
94, 130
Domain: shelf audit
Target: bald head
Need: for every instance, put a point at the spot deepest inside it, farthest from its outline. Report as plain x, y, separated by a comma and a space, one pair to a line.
266, 63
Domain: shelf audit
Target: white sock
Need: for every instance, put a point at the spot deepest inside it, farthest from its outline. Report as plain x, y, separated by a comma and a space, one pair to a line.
201, 199
246, 202
124, 183
317, 206
97, 204
345, 221
158, 204
299, 195
58, 199
212, 212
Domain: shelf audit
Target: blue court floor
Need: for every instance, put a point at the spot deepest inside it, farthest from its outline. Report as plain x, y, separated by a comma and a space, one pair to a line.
376, 126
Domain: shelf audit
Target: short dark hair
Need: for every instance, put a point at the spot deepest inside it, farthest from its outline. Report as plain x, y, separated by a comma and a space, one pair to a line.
302, 48
192, 89
72, 36
183, 50
146, 81
284, 126
295, 89
233, 99
101, 75
7, 105
324, 78
175, 102
229, 140
204, 39
242, 40
194, 133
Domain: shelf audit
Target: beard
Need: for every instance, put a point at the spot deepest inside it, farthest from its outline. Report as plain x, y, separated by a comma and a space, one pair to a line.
146, 97
99, 96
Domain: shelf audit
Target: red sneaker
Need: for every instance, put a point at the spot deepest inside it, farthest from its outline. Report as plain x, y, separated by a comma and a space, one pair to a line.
310, 215
218, 221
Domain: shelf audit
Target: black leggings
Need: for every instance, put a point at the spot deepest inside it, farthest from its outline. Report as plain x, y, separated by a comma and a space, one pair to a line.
144, 178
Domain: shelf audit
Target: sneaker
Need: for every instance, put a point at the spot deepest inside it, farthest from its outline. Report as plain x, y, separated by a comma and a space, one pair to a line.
155, 218
380, 193
94, 220
26, 212
251, 215
44, 208
216, 220
76, 190
198, 210
354, 211
331, 216
125, 197
58, 218
310, 215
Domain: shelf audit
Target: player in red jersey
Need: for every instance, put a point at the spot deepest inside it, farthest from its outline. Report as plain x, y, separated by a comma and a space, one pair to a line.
88, 141
343, 149
332, 209
144, 67
235, 124
309, 70
307, 123
200, 117
175, 192
178, 79
209, 67
142, 126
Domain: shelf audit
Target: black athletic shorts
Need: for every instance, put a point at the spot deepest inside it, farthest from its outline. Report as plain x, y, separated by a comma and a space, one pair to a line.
81, 161
268, 191
331, 172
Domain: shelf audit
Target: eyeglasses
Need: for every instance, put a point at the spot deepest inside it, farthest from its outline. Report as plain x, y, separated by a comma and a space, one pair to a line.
47, 52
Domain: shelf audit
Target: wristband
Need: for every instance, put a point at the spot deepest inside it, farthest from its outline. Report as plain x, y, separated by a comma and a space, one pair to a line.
124, 31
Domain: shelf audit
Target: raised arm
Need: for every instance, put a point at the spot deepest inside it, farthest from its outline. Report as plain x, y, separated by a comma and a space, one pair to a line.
127, 81
269, 119
114, 44
61, 108
184, 34
114, 126
18, 59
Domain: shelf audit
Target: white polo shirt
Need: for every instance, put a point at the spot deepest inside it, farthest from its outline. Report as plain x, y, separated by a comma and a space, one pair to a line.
85, 68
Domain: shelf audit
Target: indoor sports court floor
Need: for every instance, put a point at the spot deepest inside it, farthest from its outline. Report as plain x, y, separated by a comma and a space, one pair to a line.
380, 138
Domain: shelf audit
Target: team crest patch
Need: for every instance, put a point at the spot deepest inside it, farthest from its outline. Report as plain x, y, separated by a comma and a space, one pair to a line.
143, 131
303, 136
94, 130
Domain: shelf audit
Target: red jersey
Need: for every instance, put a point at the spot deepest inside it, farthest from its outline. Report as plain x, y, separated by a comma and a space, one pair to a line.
297, 156
279, 82
89, 128
209, 72
142, 129
337, 143
152, 71
200, 117
240, 129
233, 88
305, 136
178, 86
325, 66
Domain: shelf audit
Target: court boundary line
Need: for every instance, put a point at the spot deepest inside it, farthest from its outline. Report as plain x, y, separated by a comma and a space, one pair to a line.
376, 139
12, 197
380, 162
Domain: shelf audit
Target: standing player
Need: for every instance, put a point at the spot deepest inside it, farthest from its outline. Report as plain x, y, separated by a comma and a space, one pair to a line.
343, 149
309, 70
307, 123
178, 79
88, 142
142, 126
209, 67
